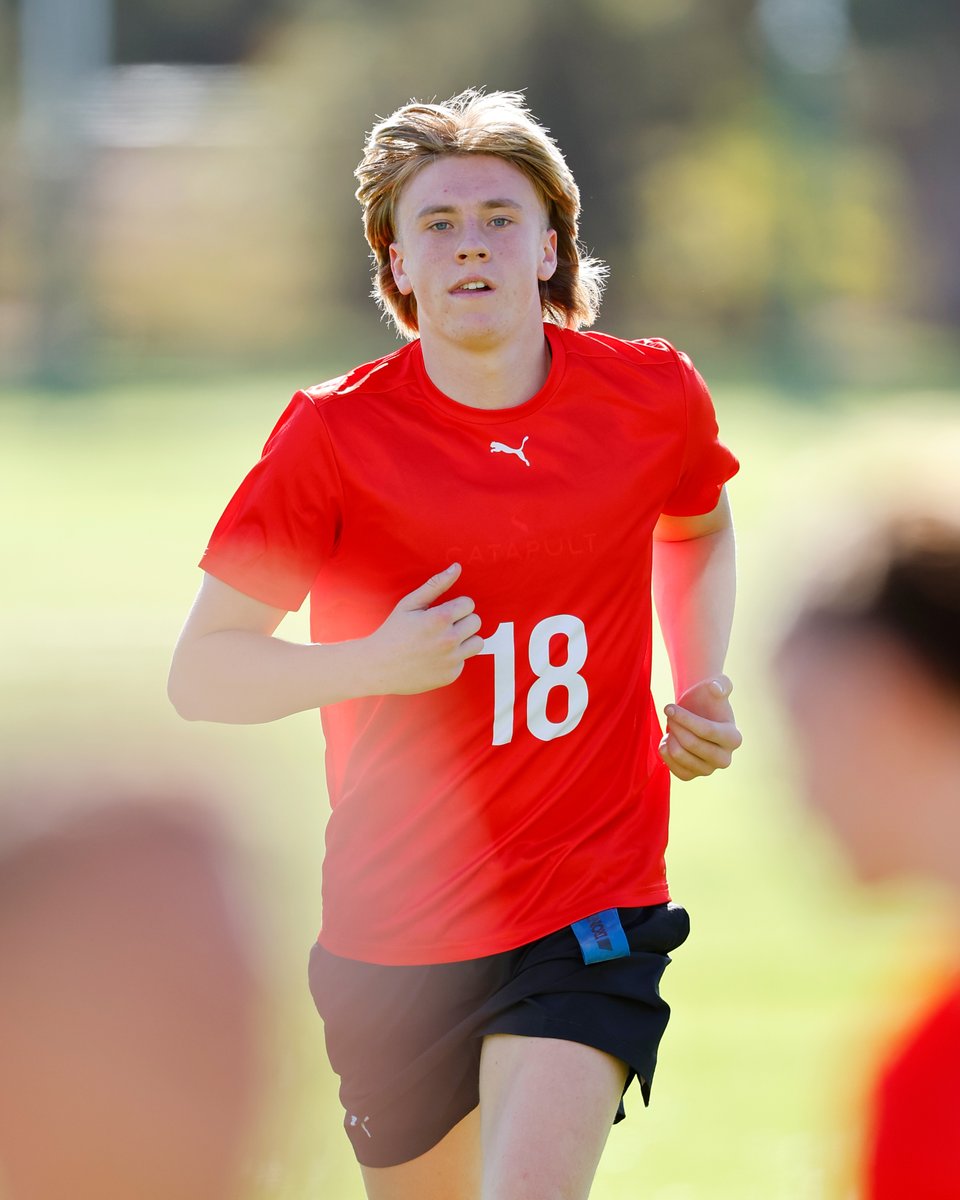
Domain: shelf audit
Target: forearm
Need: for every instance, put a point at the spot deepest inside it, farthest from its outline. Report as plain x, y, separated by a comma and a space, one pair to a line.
238, 677
694, 582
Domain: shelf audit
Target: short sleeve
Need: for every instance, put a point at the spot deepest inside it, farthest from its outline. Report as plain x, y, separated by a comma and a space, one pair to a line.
707, 463
284, 520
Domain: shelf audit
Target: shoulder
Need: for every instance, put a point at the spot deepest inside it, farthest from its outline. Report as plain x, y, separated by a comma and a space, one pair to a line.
650, 365
306, 419
649, 353
382, 375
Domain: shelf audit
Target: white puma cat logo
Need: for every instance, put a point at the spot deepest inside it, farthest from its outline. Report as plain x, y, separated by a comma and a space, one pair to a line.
500, 448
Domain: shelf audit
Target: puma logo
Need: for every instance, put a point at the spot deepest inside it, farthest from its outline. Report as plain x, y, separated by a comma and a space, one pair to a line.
500, 448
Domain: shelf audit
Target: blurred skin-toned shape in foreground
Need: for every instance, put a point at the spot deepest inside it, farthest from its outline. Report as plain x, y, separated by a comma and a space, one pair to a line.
129, 1008
871, 678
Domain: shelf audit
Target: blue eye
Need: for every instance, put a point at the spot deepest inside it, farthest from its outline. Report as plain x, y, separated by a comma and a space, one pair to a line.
441, 225
500, 222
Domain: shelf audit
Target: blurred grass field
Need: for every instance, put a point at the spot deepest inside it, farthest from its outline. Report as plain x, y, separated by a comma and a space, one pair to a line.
791, 976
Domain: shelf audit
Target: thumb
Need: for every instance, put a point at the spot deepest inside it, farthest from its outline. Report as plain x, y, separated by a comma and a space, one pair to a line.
426, 593
709, 698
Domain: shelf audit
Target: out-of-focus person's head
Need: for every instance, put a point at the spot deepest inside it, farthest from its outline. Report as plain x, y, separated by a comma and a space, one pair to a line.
871, 676
129, 1008
474, 122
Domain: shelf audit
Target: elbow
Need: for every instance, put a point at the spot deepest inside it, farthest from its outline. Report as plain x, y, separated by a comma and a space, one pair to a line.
182, 705
182, 694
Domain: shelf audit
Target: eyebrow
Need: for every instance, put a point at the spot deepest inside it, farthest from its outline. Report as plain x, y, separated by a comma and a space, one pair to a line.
433, 209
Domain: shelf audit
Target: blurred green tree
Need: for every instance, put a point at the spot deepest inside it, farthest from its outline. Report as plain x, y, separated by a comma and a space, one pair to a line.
184, 31
753, 192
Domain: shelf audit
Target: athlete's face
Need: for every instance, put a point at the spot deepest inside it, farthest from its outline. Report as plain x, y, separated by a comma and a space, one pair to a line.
472, 246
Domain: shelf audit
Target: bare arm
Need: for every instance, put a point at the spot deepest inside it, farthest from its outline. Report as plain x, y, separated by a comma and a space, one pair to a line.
229, 667
694, 577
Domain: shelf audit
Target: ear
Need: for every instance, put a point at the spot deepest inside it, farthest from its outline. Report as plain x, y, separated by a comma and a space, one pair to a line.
400, 277
548, 259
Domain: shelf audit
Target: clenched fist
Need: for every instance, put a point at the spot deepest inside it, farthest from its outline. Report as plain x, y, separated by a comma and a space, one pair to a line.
701, 730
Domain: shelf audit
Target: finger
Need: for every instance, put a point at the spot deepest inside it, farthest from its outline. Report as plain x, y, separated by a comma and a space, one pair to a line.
473, 645
679, 759
718, 687
680, 773
702, 727
721, 733
467, 627
722, 686
454, 610
673, 767
709, 698
426, 593
691, 753
713, 753
690, 742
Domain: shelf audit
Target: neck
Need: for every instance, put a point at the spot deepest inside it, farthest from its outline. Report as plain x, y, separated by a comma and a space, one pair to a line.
502, 375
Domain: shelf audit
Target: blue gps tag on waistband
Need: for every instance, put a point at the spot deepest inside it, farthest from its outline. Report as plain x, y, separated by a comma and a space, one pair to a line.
601, 936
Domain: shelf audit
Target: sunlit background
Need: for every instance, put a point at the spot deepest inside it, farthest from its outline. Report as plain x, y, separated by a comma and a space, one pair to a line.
776, 185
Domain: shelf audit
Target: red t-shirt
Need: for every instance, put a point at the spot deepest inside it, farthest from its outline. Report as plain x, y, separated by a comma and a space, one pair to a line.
529, 793
914, 1147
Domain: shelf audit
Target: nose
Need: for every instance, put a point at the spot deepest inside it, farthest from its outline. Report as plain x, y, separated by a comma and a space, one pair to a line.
472, 247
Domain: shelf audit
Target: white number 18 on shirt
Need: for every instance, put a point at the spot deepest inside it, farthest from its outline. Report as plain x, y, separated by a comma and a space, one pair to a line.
501, 645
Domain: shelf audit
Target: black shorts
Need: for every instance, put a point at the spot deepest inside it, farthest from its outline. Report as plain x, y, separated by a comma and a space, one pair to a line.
406, 1041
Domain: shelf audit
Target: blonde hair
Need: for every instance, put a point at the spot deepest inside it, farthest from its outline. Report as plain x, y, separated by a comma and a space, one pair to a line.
475, 122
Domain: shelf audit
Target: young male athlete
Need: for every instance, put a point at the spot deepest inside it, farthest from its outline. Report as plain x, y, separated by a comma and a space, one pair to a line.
475, 518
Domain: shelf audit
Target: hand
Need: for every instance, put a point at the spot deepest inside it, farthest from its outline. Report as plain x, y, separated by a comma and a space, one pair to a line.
701, 730
419, 647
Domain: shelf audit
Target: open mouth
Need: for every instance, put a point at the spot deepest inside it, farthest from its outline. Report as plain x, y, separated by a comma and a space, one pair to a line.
472, 287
